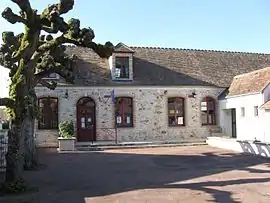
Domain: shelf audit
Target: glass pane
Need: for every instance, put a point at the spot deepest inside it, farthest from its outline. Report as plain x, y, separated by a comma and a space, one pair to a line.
171, 107
179, 107
41, 103
211, 105
210, 121
123, 111
122, 67
117, 72
172, 120
204, 117
49, 113
203, 106
127, 105
118, 119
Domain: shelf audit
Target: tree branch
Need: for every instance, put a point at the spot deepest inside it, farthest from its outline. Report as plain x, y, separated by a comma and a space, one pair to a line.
61, 8
25, 6
7, 102
12, 17
64, 72
42, 74
9, 64
51, 85
53, 29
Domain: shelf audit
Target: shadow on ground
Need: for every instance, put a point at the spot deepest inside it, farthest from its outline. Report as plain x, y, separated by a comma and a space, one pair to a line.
76, 176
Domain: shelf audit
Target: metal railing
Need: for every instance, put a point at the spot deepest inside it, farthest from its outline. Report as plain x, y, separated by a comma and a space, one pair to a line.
3, 149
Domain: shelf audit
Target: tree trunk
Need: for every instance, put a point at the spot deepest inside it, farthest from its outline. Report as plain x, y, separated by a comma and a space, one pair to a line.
16, 136
30, 155
14, 156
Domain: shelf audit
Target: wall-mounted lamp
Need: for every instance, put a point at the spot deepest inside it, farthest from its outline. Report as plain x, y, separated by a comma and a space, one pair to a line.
66, 94
193, 94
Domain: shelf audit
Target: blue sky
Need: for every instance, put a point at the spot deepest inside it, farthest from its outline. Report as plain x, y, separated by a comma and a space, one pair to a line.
237, 25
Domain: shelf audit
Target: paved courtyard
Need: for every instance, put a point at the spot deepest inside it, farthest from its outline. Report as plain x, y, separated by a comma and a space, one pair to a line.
179, 174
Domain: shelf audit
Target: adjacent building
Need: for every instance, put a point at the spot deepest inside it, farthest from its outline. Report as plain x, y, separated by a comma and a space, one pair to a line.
245, 111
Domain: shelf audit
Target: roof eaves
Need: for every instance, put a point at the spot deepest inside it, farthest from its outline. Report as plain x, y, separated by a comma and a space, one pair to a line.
264, 105
240, 95
127, 48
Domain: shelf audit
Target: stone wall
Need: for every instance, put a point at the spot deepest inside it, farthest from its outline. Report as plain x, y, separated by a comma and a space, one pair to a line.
3, 149
149, 109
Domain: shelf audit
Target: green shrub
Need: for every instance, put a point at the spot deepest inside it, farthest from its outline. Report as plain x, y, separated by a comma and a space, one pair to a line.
66, 129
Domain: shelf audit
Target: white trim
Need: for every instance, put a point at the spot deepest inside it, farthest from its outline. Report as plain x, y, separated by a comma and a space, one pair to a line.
241, 95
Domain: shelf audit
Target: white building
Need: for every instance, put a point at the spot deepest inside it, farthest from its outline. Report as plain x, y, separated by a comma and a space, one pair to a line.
245, 110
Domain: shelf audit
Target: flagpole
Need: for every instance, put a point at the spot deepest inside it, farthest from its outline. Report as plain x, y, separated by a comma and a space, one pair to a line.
115, 123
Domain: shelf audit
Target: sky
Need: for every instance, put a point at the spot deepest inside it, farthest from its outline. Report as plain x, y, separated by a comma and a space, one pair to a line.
242, 25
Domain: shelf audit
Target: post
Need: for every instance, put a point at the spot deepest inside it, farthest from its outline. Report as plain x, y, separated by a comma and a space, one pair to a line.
116, 140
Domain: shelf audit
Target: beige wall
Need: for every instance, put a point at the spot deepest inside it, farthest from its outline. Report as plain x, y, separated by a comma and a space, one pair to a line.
150, 113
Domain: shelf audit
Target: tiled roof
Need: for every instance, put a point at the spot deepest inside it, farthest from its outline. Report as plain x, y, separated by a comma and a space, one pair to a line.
266, 105
168, 66
251, 82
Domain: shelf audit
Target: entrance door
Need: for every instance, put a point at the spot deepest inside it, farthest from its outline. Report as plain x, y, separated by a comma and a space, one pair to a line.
234, 123
86, 120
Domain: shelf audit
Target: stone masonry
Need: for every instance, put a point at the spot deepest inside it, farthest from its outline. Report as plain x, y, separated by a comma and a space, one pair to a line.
149, 113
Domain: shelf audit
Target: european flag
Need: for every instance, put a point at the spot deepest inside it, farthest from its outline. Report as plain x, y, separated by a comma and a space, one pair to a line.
113, 96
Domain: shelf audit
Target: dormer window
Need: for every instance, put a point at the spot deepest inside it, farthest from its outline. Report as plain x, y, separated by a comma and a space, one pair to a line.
122, 67
121, 63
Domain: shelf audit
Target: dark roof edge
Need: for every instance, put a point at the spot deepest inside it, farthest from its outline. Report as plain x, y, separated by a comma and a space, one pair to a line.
199, 50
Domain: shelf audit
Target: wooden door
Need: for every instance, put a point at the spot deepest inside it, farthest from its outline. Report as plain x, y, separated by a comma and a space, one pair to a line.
86, 120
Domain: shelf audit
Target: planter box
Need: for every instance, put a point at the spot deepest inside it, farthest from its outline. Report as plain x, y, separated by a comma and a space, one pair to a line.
66, 144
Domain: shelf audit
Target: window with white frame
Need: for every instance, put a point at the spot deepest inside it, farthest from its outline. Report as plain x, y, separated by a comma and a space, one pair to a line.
242, 111
256, 111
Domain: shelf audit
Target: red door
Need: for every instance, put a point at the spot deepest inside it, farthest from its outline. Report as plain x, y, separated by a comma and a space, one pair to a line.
86, 120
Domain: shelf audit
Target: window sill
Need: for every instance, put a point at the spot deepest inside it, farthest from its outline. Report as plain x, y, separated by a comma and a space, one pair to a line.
209, 124
122, 79
124, 126
47, 128
177, 125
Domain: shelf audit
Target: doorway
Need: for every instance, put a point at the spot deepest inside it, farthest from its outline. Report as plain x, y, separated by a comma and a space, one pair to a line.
234, 123
86, 120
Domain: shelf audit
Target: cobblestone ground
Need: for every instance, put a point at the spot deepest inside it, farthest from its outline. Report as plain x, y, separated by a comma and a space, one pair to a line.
180, 174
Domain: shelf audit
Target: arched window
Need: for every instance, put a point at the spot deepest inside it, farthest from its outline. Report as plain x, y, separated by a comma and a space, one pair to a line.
48, 110
176, 111
208, 114
124, 111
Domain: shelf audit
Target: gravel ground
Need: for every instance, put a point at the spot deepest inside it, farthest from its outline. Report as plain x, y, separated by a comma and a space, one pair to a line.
178, 174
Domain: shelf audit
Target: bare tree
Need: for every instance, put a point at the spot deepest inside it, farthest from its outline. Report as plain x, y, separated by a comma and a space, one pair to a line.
30, 57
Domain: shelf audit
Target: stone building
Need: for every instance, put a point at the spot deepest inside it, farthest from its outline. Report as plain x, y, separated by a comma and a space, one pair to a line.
142, 94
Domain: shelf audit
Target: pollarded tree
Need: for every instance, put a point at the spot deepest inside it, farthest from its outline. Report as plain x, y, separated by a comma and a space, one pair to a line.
30, 57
